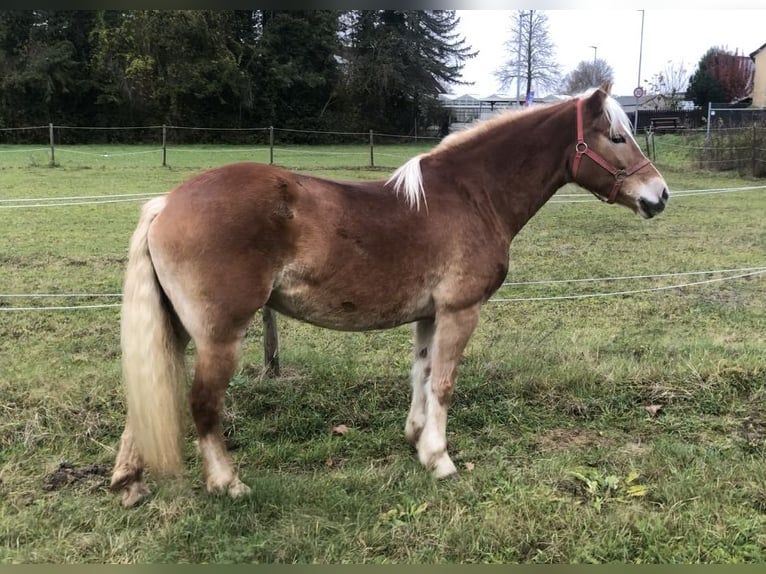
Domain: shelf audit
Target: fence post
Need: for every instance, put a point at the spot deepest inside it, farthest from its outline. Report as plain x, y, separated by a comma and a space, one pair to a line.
372, 155
754, 135
271, 145
53, 146
270, 341
648, 150
654, 146
164, 146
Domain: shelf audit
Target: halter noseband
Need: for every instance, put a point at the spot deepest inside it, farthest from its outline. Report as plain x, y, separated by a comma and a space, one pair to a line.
581, 149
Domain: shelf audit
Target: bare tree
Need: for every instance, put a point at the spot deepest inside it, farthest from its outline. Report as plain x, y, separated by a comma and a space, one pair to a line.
587, 74
531, 61
669, 85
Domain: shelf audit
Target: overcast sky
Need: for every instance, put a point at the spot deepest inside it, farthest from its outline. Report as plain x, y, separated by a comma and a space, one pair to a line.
678, 36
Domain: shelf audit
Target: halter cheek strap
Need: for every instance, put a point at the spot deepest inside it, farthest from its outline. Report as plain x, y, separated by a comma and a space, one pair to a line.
582, 149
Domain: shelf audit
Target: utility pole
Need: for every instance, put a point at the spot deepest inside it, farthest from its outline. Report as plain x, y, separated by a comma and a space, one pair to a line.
595, 50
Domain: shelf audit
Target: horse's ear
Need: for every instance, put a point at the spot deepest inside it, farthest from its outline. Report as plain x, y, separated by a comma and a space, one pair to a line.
606, 87
595, 102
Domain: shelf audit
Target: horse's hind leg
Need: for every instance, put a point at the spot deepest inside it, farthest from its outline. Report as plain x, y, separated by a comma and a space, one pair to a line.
128, 470
453, 329
421, 371
216, 362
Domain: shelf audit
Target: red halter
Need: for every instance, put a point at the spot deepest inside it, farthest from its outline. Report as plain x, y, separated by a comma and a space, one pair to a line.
581, 149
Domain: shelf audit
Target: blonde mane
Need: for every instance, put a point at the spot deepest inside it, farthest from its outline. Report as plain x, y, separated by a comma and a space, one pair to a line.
408, 179
619, 123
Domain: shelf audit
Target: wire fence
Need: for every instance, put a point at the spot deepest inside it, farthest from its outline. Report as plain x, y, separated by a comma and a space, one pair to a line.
739, 149
262, 143
75, 200
727, 275
722, 148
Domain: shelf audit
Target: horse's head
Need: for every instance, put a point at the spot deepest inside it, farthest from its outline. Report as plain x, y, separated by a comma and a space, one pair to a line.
608, 162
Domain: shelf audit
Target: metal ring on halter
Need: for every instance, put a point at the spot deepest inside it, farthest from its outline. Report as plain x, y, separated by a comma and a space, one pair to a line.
582, 149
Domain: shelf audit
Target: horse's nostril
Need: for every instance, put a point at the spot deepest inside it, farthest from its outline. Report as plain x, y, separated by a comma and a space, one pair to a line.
651, 209
665, 194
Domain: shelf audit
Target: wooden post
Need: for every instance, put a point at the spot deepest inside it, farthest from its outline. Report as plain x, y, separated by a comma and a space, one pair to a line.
53, 146
372, 156
164, 146
270, 342
648, 149
271, 145
754, 154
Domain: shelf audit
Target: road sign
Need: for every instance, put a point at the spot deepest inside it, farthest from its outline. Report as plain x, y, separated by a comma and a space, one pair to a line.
638, 92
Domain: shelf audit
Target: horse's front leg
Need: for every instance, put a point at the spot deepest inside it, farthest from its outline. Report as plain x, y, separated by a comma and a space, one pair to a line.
453, 329
421, 371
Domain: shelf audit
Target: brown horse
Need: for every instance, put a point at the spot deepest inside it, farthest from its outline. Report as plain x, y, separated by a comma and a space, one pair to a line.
428, 246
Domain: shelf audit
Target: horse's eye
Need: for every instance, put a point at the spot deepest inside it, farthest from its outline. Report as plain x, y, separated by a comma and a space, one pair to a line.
618, 139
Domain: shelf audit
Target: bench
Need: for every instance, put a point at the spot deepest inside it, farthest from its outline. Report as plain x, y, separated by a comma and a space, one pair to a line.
665, 124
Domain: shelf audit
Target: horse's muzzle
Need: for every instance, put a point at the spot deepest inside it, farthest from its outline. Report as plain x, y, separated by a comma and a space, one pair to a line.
651, 208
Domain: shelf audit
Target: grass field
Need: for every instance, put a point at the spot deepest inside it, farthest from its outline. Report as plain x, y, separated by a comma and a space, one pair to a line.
626, 428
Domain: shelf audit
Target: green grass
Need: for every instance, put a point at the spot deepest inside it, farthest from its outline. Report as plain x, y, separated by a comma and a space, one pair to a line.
560, 460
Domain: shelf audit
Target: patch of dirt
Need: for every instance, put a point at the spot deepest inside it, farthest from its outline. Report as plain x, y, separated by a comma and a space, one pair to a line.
635, 448
573, 487
753, 432
72, 262
68, 474
569, 438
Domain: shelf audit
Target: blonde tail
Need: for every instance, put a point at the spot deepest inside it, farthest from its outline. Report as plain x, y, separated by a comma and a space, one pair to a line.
153, 366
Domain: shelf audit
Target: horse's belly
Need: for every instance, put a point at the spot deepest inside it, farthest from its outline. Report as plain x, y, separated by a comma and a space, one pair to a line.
348, 311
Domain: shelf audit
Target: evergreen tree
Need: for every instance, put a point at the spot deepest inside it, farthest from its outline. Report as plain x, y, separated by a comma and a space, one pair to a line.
296, 70
312, 69
170, 66
704, 86
398, 62
15, 28
45, 72
721, 76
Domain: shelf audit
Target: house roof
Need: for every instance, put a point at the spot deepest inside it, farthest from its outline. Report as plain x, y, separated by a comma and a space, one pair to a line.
752, 55
631, 100
478, 97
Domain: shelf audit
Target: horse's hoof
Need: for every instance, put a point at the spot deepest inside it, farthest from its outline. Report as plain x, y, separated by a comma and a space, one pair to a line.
443, 467
134, 493
123, 476
237, 488
449, 477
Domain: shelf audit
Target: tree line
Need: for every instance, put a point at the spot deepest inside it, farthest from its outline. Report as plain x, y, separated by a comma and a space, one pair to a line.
322, 70
349, 70
721, 76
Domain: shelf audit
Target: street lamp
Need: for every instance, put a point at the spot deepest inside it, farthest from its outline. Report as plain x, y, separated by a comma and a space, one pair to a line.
595, 50
518, 61
638, 92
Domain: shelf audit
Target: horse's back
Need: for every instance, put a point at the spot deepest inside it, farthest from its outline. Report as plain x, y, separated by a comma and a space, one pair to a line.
332, 253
